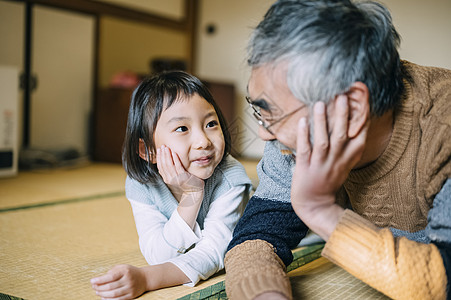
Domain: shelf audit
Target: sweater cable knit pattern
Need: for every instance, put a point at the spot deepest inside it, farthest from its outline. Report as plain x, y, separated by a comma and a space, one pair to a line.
402, 189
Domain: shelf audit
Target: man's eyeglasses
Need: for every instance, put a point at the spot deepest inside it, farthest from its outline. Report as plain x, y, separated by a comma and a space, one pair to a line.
261, 121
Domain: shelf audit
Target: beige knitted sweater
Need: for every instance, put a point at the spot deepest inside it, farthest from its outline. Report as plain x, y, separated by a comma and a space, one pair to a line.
395, 191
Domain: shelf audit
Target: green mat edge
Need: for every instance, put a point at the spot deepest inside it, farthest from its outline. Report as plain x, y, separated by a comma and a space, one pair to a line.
9, 297
216, 291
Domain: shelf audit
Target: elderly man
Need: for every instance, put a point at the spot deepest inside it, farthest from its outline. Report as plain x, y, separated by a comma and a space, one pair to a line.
358, 150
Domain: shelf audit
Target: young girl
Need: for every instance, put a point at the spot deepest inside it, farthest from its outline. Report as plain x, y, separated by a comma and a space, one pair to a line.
186, 192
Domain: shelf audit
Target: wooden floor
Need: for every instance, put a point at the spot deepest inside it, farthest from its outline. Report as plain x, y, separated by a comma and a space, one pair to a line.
59, 228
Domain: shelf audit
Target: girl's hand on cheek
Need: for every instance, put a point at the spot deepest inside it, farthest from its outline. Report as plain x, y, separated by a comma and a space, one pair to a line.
179, 181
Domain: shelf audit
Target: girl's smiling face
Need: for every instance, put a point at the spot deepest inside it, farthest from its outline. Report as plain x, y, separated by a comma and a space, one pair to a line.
190, 128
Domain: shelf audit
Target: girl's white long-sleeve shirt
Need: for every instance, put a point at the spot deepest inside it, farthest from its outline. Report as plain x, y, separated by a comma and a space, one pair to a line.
165, 237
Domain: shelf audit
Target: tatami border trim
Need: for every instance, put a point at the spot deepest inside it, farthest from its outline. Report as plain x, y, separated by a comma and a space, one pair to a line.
64, 201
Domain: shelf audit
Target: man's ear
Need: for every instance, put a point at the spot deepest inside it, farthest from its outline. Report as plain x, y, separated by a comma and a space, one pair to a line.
143, 153
359, 107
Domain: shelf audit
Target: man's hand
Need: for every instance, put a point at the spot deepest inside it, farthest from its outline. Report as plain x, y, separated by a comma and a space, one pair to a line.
322, 169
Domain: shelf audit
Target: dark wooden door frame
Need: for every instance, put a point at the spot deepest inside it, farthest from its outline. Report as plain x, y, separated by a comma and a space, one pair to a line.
187, 24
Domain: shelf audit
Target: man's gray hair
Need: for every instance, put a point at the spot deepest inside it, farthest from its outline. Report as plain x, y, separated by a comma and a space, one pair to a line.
328, 45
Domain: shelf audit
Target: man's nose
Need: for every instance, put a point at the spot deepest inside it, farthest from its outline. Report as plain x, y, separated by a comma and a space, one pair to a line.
265, 134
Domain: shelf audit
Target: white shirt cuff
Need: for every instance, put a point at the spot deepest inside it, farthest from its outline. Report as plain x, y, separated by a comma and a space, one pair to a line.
179, 235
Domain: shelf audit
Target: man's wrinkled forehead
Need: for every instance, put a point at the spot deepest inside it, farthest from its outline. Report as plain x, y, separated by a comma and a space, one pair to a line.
263, 88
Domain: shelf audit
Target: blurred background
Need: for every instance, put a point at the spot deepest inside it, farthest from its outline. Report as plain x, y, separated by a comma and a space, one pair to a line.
68, 67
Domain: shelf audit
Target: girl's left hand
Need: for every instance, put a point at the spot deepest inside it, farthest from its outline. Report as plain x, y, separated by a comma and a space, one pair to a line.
120, 283
179, 181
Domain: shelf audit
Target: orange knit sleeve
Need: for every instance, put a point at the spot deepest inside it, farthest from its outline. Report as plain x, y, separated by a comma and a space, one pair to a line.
397, 267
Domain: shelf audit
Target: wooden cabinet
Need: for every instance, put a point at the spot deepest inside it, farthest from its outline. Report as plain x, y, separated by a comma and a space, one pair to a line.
111, 111
110, 121
224, 95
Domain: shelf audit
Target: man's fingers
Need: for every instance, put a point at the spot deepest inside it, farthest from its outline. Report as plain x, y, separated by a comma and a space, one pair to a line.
320, 135
303, 148
356, 145
339, 134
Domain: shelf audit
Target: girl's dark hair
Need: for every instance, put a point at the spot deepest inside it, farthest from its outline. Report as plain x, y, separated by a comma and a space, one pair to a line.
148, 101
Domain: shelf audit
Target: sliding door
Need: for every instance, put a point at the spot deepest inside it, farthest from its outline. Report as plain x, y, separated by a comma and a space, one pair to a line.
62, 61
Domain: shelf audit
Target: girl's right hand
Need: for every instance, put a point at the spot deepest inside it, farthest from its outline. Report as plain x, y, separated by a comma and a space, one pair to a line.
120, 283
179, 181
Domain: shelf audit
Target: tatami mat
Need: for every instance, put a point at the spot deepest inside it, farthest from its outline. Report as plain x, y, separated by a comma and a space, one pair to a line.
47, 186
52, 252
59, 228
321, 280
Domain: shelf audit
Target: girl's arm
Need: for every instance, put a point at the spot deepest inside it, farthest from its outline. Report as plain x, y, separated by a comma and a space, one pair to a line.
207, 257
162, 238
186, 188
128, 282
189, 205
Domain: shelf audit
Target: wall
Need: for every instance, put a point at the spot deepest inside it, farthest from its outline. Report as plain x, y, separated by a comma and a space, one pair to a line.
221, 56
129, 46
11, 29
425, 28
